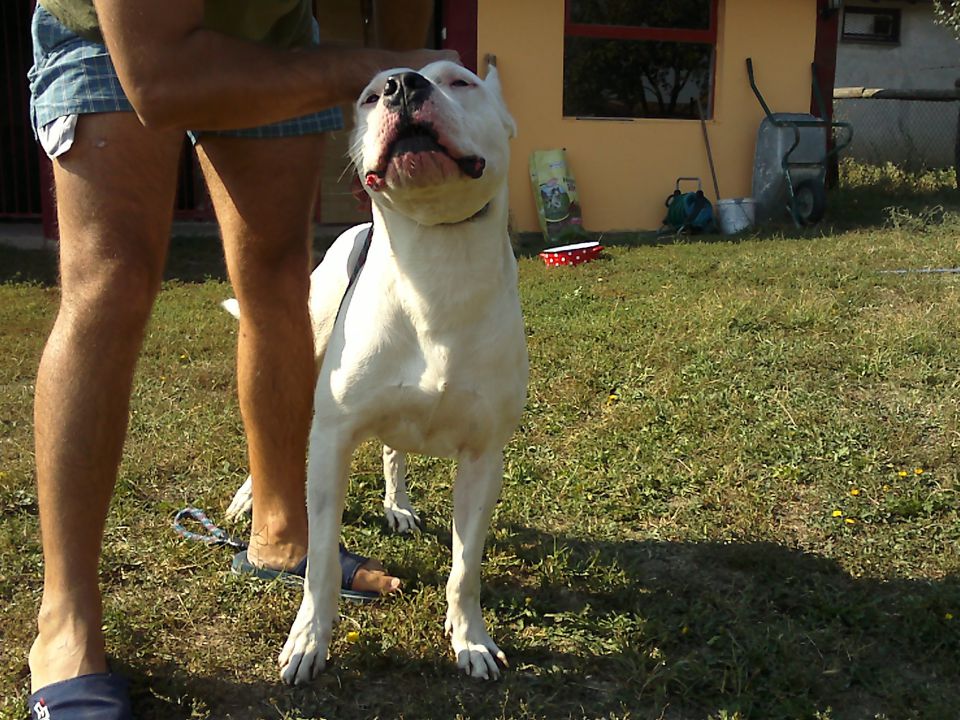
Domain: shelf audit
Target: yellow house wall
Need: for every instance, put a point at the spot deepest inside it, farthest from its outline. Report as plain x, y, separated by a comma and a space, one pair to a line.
625, 169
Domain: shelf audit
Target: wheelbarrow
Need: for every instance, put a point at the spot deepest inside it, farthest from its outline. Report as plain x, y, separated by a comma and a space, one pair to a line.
790, 169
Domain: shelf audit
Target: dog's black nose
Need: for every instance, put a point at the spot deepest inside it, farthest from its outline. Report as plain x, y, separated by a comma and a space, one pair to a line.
407, 91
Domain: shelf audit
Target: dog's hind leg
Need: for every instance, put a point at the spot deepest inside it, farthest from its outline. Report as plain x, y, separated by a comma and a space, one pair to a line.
242, 501
475, 493
397, 508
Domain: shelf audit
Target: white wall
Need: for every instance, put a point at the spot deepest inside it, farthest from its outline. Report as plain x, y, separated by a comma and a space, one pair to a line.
927, 57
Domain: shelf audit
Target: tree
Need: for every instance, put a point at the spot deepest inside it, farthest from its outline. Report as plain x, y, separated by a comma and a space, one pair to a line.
948, 14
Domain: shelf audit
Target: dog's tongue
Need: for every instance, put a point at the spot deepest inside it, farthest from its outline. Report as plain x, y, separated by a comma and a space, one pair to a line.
375, 182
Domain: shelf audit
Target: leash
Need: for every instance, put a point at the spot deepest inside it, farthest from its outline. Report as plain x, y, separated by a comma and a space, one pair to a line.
355, 273
213, 536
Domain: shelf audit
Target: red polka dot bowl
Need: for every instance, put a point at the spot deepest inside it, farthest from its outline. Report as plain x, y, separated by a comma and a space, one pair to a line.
571, 254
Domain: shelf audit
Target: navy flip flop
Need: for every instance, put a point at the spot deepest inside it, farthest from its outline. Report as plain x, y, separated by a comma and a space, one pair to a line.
100, 696
350, 563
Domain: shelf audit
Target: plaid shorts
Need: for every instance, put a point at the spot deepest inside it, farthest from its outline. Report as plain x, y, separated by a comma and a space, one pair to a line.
74, 76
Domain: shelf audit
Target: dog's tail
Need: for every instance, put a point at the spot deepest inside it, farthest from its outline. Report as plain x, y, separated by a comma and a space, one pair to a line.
231, 306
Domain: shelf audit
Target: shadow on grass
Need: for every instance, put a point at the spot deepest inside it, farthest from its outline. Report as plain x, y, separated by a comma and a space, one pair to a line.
678, 630
859, 207
37, 267
758, 628
190, 260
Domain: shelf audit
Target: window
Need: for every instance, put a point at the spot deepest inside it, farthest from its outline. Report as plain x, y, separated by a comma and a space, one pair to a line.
877, 25
638, 58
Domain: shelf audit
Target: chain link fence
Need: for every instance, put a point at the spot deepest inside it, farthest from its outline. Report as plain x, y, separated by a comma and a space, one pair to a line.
912, 131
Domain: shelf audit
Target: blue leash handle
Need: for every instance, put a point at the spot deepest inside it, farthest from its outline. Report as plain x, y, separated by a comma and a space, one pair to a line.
214, 535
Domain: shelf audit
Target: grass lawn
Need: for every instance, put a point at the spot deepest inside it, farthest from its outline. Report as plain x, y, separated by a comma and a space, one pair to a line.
734, 494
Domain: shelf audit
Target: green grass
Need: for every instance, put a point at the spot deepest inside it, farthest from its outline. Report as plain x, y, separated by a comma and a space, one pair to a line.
712, 508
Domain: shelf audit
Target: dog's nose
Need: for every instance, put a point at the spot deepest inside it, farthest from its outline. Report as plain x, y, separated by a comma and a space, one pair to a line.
407, 90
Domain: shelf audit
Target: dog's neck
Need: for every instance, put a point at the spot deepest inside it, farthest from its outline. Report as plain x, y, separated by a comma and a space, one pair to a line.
482, 234
450, 264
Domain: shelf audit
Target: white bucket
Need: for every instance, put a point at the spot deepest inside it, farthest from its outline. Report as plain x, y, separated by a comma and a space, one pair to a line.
736, 215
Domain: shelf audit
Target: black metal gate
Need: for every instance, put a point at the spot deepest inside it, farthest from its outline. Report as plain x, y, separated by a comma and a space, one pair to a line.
20, 172
26, 186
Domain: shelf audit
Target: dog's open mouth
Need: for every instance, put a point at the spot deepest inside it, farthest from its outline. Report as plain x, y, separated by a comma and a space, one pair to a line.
416, 154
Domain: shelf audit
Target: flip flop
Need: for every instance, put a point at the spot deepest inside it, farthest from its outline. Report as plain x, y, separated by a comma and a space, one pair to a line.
100, 696
350, 563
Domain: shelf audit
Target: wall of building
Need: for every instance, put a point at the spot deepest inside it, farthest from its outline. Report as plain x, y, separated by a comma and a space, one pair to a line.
625, 169
927, 57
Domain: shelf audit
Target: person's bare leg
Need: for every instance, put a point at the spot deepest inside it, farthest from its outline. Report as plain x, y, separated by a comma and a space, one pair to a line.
263, 193
115, 192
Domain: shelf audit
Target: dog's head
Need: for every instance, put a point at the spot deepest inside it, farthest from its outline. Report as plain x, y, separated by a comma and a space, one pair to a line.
432, 144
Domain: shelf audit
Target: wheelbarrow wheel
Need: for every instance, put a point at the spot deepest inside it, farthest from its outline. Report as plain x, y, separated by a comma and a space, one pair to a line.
809, 202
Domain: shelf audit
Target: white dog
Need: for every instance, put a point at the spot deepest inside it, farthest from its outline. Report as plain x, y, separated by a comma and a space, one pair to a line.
425, 349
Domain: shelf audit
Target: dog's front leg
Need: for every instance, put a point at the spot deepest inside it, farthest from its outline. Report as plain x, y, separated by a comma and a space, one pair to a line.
475, 493
305, 652
397, 508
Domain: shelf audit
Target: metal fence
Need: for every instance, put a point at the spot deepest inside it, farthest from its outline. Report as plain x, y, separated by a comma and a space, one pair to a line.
915, 130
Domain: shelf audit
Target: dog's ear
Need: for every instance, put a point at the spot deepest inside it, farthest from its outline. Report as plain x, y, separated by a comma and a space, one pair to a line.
492, 81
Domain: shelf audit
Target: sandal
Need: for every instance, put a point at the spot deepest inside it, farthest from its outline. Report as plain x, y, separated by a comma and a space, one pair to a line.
350, 563
99, 696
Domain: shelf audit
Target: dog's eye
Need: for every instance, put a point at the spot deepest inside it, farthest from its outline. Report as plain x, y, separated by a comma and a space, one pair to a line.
371, 99
461, 83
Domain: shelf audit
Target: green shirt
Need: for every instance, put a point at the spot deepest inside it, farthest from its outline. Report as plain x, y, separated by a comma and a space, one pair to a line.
283, 23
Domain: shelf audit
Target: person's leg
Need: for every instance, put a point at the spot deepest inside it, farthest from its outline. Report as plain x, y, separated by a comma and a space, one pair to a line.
115, 194
263, 192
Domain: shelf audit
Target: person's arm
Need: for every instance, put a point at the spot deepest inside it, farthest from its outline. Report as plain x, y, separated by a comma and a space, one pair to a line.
180, 75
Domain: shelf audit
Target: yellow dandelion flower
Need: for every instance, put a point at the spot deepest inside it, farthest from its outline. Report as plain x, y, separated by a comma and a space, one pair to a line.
854, 491
918, 471
886, 488
849, 521
837, 513
903, 473
353, 636
948, 616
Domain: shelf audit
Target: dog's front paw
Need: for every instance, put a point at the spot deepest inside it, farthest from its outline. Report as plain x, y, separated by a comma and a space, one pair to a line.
401, 517
477, 655
304, 655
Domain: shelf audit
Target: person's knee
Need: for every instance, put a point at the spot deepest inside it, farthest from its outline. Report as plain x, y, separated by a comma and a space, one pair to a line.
273, 279
118, 292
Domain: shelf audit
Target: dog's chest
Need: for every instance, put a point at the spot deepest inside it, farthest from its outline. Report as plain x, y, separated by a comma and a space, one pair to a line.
445, 401
430, 353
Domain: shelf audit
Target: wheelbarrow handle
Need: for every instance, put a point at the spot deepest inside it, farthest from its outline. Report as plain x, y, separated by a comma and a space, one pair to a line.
756, 90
